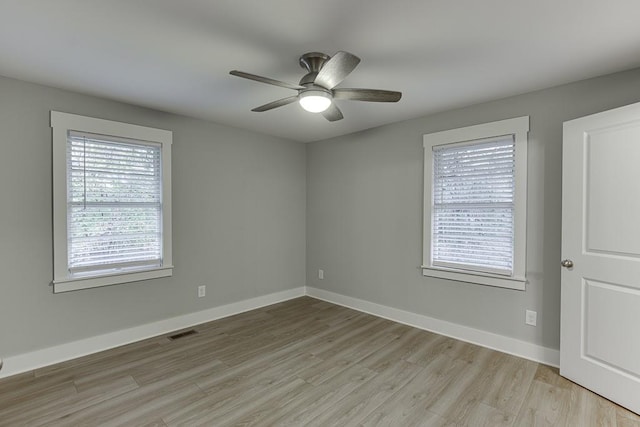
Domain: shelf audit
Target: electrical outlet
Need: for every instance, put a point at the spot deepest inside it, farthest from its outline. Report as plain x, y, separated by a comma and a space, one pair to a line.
321, 274
531, 317
202, 291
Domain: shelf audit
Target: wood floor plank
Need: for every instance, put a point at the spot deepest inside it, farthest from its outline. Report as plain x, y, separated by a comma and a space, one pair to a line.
322, 304
508, 383
11, 384
18, 406
545, 405
591, 409
289, 364
412, 416
132, 364
148, 408
402, 349
322, 398
472, 355
483, 415
62, 404
626, 418
430, 349
135, 351
360, 403
226, 392
417, 399
550, 375
338, 315
94, 388
232, 391
302, 362
143, 401
275, 407
31, 389
346, 354
154, 423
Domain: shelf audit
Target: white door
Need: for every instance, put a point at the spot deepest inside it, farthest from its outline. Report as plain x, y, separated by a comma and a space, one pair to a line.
600, 331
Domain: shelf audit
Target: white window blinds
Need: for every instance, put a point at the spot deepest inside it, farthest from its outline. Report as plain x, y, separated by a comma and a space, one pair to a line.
114, 203
473, 205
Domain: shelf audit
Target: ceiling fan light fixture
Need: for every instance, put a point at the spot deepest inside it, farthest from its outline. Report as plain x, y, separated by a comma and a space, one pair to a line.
317, 89
315, 101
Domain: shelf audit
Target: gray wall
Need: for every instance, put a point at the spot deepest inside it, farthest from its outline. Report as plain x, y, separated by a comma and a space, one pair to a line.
364, 212
241, 204
238, 222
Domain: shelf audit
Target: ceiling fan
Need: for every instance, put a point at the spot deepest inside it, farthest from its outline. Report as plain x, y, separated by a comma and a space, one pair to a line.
317, 89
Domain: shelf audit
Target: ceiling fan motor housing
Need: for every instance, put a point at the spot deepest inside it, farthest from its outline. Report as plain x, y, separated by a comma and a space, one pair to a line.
312, 62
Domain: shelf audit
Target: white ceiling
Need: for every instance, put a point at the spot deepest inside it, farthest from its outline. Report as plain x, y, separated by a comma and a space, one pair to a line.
175, 55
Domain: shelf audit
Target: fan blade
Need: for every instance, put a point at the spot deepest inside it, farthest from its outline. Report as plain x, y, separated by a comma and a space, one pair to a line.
336, 69
264, 80
276, 104
332, 113
371, 95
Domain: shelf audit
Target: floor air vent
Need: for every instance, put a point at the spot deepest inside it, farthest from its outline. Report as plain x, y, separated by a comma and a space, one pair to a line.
182, 334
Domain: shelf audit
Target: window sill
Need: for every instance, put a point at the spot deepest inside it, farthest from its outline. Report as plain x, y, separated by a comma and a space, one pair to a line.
74, 284
486, 279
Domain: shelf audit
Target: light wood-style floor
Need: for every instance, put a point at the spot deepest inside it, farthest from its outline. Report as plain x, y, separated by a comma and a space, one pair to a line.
302, 362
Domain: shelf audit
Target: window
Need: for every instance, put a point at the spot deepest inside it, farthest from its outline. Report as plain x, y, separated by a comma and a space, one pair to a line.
475, 203
112, 202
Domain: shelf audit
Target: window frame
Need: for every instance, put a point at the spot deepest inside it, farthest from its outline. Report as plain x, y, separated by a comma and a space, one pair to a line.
62, 123
519, 128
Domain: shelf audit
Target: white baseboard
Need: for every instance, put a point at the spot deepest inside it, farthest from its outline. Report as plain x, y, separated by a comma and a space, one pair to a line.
36, 359
490, 340
48, 356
